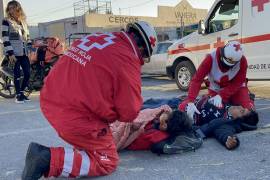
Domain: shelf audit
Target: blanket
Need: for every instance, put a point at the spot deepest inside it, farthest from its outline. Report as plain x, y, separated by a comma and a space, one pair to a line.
125, 133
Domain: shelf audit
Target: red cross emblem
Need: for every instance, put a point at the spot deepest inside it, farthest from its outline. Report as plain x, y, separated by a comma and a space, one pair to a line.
219, 43
259, 4
237, 47
98, 41
153, 41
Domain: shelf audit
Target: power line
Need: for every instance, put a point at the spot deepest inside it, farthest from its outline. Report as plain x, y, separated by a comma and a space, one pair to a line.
60, 7
137, 5
50, 12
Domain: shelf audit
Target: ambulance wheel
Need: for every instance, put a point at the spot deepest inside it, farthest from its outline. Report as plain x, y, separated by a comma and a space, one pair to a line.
183, 74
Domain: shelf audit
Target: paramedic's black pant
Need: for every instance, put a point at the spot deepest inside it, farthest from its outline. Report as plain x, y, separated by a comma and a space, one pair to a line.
22, 61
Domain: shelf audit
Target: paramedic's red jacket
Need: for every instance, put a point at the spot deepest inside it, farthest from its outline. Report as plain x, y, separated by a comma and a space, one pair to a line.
229, 87
94, 83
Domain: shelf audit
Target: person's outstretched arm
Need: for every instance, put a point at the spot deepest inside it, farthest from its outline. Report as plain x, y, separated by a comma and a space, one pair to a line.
208, 129
226, 131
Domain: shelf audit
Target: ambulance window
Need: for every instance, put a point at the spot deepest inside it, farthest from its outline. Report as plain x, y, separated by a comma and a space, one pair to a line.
224, 16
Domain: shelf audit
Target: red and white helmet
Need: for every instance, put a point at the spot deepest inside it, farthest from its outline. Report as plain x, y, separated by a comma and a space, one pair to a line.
148, 34
232, 53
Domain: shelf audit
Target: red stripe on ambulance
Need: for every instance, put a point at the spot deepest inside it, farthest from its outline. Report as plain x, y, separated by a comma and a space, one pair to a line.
260, 38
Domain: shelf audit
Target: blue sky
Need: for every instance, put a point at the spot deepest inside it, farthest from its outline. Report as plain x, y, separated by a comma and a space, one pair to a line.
48, 10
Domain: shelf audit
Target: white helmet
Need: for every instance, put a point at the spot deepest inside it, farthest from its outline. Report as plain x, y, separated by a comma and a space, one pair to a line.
232, 53
148, 34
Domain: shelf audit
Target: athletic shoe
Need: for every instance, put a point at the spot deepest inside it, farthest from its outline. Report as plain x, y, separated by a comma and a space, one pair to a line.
19, 99
25, 98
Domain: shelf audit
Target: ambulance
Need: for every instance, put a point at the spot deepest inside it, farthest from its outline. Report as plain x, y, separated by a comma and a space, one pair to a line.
247, 21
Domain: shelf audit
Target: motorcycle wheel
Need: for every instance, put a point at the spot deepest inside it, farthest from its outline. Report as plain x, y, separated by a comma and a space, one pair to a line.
7, 89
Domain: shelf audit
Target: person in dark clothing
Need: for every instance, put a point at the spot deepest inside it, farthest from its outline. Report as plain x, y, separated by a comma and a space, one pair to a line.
224, 123
15, 36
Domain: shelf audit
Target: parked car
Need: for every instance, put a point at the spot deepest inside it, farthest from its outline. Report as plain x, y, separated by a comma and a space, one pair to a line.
157, 65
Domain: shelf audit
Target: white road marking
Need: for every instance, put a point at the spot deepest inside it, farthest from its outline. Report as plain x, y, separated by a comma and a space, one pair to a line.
211, 164
22, 111
262, 104
263, 108
24, 131
8, 173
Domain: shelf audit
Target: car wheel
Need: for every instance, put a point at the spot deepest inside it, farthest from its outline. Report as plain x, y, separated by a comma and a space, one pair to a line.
183, 74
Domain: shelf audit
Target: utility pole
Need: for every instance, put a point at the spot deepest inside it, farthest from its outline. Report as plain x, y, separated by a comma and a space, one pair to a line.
97, 7
89, 11
182, 27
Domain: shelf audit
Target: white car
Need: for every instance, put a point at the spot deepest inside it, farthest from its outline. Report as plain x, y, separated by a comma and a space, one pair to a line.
157, 65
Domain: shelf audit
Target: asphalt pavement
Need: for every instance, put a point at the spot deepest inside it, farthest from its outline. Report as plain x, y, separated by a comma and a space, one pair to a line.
22, 124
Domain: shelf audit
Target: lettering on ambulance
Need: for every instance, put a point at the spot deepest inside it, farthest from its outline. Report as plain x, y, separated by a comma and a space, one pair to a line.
261, 67
80, 52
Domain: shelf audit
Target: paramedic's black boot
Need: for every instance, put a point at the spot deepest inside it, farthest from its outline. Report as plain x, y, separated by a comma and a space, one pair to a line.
37, 162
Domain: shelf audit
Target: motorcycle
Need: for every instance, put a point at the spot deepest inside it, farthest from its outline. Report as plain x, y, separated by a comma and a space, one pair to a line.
43, 52
37, 75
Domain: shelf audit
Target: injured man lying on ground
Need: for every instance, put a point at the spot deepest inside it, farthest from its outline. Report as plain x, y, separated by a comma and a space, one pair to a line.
223, 123
163, 130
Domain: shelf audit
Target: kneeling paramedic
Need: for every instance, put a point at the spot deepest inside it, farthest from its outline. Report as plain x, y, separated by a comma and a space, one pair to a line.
96, 82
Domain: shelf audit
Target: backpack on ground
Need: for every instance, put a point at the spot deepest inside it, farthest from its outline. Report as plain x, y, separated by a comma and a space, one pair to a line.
184, 142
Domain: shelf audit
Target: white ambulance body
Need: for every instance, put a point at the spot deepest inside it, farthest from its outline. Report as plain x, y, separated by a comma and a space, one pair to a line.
247, 21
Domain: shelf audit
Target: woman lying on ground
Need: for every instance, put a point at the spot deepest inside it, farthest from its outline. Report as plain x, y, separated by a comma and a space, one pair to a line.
150, 127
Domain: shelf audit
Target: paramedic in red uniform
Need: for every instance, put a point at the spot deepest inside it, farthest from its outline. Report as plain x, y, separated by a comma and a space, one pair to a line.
96, 82
226, 69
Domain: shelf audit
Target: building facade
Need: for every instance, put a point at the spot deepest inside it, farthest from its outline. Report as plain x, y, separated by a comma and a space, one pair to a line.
167, 23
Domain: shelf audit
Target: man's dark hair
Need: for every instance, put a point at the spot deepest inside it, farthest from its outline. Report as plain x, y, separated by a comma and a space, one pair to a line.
178, 123
251, 118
